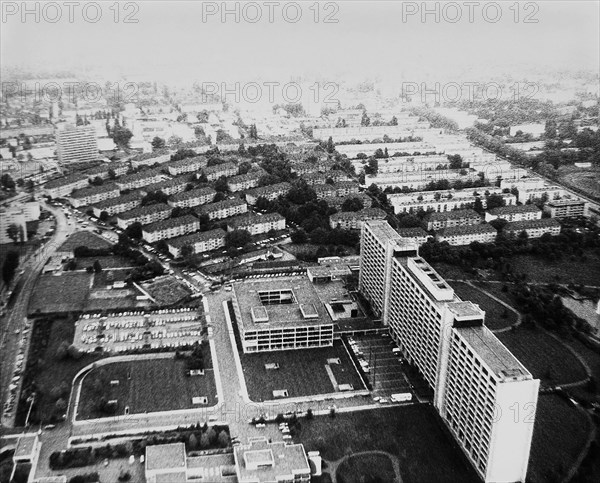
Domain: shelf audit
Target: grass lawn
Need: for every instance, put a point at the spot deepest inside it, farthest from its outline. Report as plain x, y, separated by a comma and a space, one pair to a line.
545, 357
496, 315
559, 435
413, 433
67, 292
356, 468
83, 238
105, 262
154, 385
52, 376
301, 372
569, 270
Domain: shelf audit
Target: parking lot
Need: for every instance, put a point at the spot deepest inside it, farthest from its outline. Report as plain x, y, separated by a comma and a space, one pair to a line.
384, 369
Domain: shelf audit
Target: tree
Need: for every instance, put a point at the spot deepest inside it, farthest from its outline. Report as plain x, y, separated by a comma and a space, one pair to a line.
330, 146
14, 231
365, 121
7, 182
223, 439
158, 143
112, 174
61, 405
309, 414
237, 238
212, 435
61, 351
205, 440
495, 201
299, 236
134, 230
353, 204
456, 161
104, 216
221, 185
193, 442
187, 251
121, 136
97, 267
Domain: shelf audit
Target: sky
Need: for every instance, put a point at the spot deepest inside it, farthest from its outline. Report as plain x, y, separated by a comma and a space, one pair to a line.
330, 39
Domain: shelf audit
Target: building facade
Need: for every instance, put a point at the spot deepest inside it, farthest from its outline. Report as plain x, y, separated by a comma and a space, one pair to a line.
566, 208
533, 228
257, 224
223, 209
514, 213
464, 235
76, 144
268, 192
171, 228
466, 217
200, 242
144, 215
195, 197
119, 204
94, 194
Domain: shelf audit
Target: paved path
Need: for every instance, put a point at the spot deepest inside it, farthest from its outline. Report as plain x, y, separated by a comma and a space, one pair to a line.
332, 466
501, 302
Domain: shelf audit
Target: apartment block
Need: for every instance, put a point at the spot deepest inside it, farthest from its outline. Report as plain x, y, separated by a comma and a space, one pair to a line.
76, 144
566, 208
446, 200
545, 192
244, 181
204, 241
268, 192
169, 186
341, 188
213, 173
514, 213
119, 204
417, 235
139, 180
353, 220
144, 215
466, 234
223, 209
406, 127
378, 244
533, 228
170, 228
94, 194
319, 178
437, 221
62, 187
473, 375
257, 224
104, 170
187, 165
195, 197
418, 180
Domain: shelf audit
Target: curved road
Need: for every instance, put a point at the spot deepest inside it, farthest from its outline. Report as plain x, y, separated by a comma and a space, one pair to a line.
14, 321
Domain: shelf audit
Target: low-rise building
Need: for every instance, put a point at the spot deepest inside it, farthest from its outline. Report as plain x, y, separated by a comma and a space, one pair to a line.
514, 213
466, 234
279, 314
119, 204
566, 208
244, 181
268, 192
169, 186
533, 228
62, 187
200, 242
187, 165
417, 234
139, 180
548, 192
437, 221
195, 197
223, 209
264, 462
170, 228
353, 220
213, 173
256, 224
93, 194
144, 215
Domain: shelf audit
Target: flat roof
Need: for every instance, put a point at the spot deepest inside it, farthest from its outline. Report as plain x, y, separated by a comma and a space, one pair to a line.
25, 445
465, 309
306, 308
287, 460
165, 456
495, 354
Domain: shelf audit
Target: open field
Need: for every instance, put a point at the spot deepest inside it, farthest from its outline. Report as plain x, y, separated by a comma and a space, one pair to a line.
147, 386
496, 315
66, 292
413, 433
301, 372
52, 374
105, 262
545, 357
587, 180
357, 467
568, 270
559, 435
83, 238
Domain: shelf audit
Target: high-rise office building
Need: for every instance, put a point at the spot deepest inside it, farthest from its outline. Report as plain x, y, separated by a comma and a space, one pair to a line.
483, 393
77, 144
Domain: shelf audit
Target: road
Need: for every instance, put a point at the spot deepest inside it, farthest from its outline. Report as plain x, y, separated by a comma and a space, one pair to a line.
16, 316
